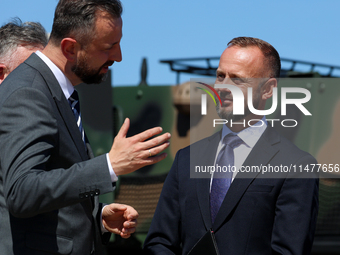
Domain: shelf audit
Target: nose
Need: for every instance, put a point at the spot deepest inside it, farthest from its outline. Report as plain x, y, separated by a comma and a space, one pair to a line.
120, 58
222, 90
116, 54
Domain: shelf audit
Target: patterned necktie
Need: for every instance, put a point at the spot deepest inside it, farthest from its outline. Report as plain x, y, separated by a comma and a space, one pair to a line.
222, 177
74, 103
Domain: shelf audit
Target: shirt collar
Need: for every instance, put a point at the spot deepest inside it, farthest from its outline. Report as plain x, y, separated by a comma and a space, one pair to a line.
249, 135
64, 82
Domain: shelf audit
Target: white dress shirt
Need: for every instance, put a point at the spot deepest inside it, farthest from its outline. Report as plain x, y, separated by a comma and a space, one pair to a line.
249, 136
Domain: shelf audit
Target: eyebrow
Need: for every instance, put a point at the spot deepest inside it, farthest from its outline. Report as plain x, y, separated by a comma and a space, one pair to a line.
219, 71
231, 75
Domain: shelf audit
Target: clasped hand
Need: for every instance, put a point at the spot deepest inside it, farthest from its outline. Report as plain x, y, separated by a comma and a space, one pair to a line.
120, 219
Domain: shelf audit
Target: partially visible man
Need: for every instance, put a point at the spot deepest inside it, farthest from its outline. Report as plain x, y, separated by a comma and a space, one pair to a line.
49, 179
17, 42
250, 213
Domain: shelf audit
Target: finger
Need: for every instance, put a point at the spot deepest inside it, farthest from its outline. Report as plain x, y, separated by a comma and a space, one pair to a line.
125, 235
110, 210
156, 150
118, 207
147, 134
124, 129
114, 207
155, 142
130, 224
128, 231
154, 159
131, 214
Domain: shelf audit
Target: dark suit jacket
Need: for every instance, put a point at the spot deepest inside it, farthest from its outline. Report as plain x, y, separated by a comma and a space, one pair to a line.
258, 215
49, 186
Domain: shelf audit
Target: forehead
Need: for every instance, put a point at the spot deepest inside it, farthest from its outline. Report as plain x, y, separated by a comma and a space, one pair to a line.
107, 27
246, 62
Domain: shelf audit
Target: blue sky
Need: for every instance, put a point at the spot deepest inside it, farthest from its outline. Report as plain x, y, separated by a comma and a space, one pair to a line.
163, 29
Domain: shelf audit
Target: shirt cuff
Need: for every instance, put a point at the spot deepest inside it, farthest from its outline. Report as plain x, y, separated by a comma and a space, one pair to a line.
103, 229
113, 175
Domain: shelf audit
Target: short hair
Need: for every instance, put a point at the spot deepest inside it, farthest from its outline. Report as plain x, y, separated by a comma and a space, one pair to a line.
76, 18
16, 33
270, 53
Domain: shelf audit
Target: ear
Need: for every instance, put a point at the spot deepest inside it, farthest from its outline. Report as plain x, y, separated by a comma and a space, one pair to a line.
3, 72
267, 88
70, 48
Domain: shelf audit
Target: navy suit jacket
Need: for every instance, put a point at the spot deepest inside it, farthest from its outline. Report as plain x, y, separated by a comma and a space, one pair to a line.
49, 186
258, 215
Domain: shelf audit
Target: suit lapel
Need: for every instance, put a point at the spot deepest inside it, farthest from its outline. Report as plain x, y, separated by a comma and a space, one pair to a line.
88, 148
206, 158
60, 100
262, 153
68, 117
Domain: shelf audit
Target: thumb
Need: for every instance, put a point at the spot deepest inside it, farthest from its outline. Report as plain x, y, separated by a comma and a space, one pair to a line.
117, 207
124, 129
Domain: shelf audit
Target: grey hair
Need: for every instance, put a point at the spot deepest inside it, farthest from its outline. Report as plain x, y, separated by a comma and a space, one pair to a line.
17, 33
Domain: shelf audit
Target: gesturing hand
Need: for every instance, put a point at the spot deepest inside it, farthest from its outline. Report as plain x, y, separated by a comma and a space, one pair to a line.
120, 219
129, 154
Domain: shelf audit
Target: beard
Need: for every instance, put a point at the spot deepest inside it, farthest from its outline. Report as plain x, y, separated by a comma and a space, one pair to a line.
228, 115
87, 74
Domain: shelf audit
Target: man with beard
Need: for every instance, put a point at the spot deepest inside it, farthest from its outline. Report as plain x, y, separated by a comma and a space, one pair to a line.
242, 213
49, 180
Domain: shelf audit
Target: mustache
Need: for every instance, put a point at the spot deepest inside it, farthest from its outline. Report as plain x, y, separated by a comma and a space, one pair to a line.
108, 63
225, 95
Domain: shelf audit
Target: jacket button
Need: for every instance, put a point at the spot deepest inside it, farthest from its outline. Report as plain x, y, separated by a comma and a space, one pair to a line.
87, 194
81, 195
97, 191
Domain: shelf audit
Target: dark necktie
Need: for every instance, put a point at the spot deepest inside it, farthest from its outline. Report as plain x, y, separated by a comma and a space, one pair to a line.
74, 103
222, 179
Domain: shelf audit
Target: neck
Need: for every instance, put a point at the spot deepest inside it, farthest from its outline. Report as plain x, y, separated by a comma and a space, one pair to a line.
55, 54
